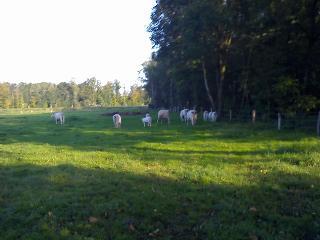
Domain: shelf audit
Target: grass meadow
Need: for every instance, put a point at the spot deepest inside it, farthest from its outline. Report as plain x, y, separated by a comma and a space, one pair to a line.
88, 180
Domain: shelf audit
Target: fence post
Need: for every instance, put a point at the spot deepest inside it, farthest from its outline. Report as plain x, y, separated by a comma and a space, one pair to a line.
318, 125
253, 115
230, 115
279, 121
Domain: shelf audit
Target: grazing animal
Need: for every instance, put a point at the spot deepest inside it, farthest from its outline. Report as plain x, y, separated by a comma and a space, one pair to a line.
163, 114
183, 114
205, 115
58, 117
147, 120
192, 117
212, 117
116, 120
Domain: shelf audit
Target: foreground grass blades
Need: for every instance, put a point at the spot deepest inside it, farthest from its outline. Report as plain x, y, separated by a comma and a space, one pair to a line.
87, 180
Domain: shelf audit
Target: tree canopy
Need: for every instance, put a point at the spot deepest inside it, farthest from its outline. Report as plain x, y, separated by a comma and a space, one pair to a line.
238, 54
69, 94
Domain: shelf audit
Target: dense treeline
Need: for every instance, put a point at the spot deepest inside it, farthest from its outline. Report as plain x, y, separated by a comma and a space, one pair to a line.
238, 54
69, 94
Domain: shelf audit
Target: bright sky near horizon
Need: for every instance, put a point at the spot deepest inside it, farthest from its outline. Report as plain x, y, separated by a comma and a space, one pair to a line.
60, 40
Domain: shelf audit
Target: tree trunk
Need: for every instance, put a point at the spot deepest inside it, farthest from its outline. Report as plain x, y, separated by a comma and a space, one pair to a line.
222, 52
312, 36
221, 69
245, 80
171, 92
205, 79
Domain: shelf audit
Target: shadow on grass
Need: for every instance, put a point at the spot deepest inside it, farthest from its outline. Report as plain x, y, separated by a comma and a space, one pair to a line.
67, 202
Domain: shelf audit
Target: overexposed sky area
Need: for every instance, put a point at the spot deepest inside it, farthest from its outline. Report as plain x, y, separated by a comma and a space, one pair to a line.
59, 40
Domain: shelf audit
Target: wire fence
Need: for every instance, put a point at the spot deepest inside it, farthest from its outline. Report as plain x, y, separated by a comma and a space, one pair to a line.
309, 121
306, 121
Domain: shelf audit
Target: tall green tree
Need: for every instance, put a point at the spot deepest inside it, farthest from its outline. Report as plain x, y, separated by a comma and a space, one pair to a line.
239, 54
5, 95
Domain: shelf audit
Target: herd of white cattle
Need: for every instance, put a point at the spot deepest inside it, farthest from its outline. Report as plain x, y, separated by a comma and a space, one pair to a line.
187, 116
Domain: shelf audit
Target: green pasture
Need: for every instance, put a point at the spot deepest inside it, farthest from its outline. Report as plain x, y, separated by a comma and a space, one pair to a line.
88, 180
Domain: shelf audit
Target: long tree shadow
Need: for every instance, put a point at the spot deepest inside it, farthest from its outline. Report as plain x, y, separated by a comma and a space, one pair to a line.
68, 202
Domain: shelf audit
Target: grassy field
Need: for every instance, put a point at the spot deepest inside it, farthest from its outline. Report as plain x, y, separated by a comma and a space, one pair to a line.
87, 180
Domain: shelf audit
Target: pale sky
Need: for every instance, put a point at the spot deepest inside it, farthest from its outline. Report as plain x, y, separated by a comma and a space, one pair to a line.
59, 40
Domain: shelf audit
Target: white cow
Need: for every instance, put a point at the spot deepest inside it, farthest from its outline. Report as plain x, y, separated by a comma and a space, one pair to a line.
163, 114
212, 117
116, 120
205, 115
192, 117
183, 114
58, 116
147, 120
